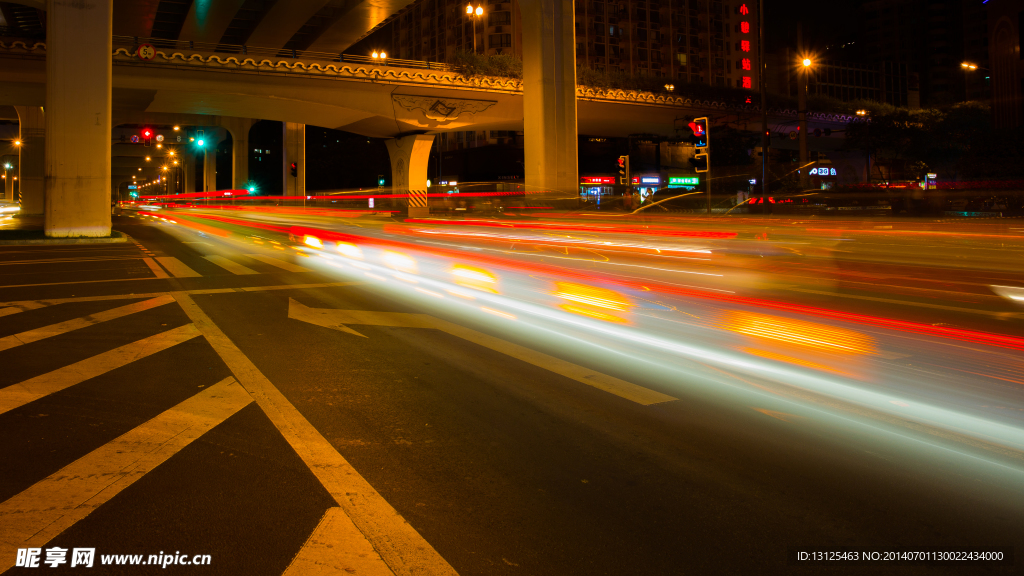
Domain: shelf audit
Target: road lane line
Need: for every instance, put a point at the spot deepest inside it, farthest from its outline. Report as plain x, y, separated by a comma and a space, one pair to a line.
9, 311
583, 375
286, 266
404, 551
157, 270
327, 551
176, 267
14, 340
22, 393
33, 304
337, 320
230, 266
48, 507
904, 302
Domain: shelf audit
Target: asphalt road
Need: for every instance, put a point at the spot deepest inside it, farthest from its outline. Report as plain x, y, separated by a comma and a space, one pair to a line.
214, 390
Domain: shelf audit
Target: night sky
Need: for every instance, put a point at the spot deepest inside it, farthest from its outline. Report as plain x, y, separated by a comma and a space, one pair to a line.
824, 23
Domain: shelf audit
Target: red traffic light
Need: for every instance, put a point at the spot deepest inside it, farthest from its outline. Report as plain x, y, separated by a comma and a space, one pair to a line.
147, 133
699, 129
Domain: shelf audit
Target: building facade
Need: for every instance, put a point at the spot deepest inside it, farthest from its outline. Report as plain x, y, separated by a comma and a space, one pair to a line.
1005, 21
699, 41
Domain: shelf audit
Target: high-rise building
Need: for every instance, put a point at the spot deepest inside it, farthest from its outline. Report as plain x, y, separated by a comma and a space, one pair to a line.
1005, 22
933, 37
709, 42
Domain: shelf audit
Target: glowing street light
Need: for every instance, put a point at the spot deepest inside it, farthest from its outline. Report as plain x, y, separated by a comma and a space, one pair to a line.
806, 62
670, 87
176, 128
17, 142
478, 12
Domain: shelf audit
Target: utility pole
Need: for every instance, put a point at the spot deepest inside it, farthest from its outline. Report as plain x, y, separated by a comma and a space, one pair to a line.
805, 71
765, 140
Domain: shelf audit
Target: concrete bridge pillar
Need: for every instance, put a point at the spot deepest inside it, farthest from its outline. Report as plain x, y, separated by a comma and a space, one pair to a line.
294, 153
32, 162
77, 157
409, 157
188, 172
210, 163
239, 130
549, 96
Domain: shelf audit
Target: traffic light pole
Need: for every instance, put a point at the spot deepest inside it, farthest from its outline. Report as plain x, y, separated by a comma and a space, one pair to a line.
708, 184
765, 140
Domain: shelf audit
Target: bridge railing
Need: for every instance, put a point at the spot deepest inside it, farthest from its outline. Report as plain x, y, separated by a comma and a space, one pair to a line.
259, 52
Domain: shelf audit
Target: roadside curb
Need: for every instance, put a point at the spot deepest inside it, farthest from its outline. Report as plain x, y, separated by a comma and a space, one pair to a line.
36, 237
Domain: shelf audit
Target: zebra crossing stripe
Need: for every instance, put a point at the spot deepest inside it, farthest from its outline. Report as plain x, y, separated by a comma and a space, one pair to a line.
14, 340
30, 390
286, 266
176, 267
230, 266
44, 510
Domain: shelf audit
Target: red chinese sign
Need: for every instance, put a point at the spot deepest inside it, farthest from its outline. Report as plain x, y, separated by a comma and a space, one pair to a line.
597, 179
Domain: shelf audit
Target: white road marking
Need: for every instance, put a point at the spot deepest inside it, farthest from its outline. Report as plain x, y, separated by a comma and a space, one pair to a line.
230, 266
176, 267
10, 310
47, 508
33, 389
337, 547
399, 545
904, 302
286, 266
33, 304
37, 334
157, 270
337, 320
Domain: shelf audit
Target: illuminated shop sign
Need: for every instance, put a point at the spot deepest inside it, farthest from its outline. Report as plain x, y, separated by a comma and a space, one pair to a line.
597, 180
646, 180
822, 172
683, 180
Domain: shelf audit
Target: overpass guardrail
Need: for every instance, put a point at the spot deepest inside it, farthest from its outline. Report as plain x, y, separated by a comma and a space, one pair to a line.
243, 50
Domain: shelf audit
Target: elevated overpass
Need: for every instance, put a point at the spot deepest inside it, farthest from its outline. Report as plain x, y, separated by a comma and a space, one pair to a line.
191, 76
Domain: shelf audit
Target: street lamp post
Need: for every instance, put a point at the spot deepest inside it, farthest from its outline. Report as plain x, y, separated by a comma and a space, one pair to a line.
475, 14
969, 67
805, 71
867, 147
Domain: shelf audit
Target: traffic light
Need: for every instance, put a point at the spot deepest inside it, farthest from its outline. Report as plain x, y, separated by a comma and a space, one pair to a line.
147, 136
699, 127
380, 180
700, 162
624, 169
295, 170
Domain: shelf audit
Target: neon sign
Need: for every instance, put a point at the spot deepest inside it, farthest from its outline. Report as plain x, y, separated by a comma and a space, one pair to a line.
597, 180
822, 172
683, 180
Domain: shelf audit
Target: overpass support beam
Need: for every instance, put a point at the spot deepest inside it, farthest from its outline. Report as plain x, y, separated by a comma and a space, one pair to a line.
32, 163
549, 97
78, 76
294, 153
239, 130
409, 157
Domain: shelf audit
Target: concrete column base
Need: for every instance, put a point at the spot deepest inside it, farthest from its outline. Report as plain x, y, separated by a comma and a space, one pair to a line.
409, 158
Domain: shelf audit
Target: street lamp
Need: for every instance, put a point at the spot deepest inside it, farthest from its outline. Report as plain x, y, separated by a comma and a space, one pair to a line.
382, 55
670, 87
970, 67
805, 72
476, 14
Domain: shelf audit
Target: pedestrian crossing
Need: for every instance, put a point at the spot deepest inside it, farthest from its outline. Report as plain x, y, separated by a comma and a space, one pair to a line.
240, 265
47, 504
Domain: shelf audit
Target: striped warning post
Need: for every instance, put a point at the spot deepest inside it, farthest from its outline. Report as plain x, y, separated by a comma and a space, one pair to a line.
418, 203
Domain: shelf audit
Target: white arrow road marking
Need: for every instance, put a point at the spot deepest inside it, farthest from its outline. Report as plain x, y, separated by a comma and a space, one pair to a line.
337, 320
